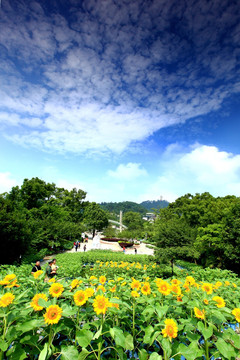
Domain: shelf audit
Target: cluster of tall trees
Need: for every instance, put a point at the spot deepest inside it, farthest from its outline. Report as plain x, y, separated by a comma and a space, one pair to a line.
200, 228
39, 217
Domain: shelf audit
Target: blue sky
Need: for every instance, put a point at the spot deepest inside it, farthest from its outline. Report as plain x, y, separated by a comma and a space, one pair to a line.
126, 100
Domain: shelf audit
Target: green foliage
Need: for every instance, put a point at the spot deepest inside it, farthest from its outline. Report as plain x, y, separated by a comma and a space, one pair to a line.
95, 218
39, 216
201, 228
133, 220
151, 205
124, 206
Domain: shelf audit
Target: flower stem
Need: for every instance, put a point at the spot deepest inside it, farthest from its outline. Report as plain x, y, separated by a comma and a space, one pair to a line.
133, 323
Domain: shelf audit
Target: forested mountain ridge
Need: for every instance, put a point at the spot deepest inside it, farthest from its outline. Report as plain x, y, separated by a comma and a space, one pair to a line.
125, 206
154, 204
142, 208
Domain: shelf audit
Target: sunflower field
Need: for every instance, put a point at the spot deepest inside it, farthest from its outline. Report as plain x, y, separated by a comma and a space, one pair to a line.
118, 310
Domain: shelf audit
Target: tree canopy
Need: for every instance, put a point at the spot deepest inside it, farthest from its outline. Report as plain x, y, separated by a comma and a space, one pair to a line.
39, 218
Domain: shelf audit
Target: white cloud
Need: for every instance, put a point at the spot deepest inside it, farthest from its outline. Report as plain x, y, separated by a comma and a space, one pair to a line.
99, 81
127, 172
202, 168
6, 182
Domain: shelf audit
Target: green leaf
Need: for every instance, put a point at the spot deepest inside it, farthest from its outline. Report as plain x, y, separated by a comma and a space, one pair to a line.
148, 332
129, 342
68, 310
155, 356
43, 353
225, 349
166, 345
98, 333
200, 326
117, 335
69, 353
207, 333
143, 355
83, 354
190, 352
3, 345
17, 354
29, 325
161, 310
84, 337
42, 303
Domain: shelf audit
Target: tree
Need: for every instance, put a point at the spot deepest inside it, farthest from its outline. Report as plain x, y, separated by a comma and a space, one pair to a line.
174, 239
95, 218
15, 235
133, 220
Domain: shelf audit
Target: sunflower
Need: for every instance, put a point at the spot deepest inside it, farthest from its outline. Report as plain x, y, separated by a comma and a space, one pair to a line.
74, 283
206, 302
207, 287
12, 284
135, 294
113, 289
3, 282
34, 304
80, 297
200, 314
9, 281
36, 274
175, 282
227, 283
176, 289
179, 298
53, 314
190, 280
158, 281
101, 287
102, 279
115, 305
100, 304
170, 329
146, 290
217, 285
220, 302
56, 290
164, 288
236, 313
52, 280
89, 292
6, 299
135, 284
10, 277
186, 287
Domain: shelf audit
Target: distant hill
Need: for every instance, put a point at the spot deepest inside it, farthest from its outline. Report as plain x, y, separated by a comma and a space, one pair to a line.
115, 207
145, 206
154, 204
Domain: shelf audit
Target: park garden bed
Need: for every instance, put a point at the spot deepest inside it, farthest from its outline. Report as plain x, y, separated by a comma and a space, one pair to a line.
118, 310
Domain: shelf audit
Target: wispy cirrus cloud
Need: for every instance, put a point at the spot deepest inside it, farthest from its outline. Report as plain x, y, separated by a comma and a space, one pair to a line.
102, 77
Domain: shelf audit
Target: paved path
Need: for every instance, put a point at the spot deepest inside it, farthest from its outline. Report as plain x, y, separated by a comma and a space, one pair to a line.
142, 249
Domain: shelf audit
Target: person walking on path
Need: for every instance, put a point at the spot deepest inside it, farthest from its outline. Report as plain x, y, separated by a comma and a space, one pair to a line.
85, 247
76, 246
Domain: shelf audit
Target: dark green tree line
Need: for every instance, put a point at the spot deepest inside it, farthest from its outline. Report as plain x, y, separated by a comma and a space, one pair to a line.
200, 228
39, 218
